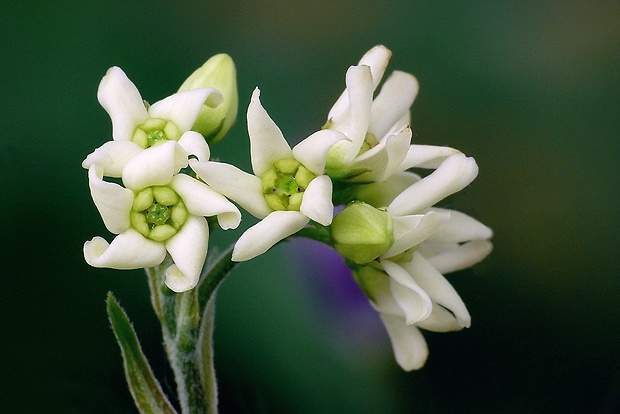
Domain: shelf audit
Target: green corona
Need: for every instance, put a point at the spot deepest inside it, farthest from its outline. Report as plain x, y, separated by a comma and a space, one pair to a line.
155, 130
158, 213
284, 184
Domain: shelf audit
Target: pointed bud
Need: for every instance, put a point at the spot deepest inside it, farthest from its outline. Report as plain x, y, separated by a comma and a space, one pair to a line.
218, 72
361, 233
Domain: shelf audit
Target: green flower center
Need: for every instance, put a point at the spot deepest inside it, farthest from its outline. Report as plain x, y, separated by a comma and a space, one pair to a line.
285, 183
155, 130
158, 213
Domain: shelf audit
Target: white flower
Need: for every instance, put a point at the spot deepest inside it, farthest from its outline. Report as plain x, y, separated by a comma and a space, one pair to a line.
404, 280
288, 189
136, 128
378, 128
159, 211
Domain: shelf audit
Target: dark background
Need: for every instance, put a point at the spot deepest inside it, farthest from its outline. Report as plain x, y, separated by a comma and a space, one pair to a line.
529, 88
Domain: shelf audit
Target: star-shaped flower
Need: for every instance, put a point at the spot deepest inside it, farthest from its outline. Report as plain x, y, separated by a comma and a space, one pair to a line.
157, 211
136, 128
289, 187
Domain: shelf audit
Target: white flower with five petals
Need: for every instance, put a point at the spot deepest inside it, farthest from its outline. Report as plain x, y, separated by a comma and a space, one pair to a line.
157, 211
136, 128
289, 186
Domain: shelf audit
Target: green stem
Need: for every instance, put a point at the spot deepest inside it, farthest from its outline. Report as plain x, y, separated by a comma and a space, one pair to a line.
187, 321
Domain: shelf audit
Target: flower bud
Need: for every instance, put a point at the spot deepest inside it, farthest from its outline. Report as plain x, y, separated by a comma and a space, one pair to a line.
361, 233
218, 72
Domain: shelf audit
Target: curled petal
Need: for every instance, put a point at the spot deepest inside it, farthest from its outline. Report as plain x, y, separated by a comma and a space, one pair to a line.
312, 151
194, 144
262, 236
394, 100
461, 256
412, 299
426, 156
423, 229
183, 108
377, 59
460, 228
440, 320
154, 166
410, 348
112, 157
317, 202
241, 187
454, 174
437, 287
128, 250
113, 201
122, 101
201, 200
188, 249
267, 144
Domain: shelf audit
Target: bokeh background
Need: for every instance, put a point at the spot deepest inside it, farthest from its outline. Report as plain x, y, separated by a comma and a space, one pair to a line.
531, 89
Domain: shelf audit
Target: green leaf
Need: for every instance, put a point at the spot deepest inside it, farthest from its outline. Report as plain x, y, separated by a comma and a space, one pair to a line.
145, 390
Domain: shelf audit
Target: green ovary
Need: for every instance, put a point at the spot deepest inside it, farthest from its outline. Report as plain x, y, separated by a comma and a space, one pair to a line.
285, 183
158, 213
154, 131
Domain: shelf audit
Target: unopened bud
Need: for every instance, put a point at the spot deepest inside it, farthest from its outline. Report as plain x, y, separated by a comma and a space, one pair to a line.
218, 72
361, 233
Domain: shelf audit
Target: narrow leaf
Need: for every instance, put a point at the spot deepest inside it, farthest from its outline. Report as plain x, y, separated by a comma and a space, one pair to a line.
145, 390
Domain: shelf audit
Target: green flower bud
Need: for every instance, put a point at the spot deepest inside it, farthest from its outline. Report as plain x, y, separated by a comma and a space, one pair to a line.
361, 233
214, 120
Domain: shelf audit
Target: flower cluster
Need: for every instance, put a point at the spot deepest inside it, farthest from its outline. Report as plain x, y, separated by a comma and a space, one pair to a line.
389, 232
159, 209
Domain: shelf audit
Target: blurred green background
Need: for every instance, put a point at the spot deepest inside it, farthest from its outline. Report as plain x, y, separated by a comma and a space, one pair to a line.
531, 89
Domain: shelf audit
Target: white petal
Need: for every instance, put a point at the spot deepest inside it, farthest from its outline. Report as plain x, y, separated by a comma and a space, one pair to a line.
424, 228
377, 59
461, 257
267, 144
381, 194
426, 156
394, 100
188, 249
154, 166
112, 157
384, 158
201, 200
460, 228
437, 287
183, 108
317, 201
454, 174
312, 151
440, 320
412, 299
263, 235
122, 101
243, 188
113, 201
194, 144
128, 250
410, 348
360, 88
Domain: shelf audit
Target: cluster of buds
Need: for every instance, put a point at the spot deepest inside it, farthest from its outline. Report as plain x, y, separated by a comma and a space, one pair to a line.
389, 232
